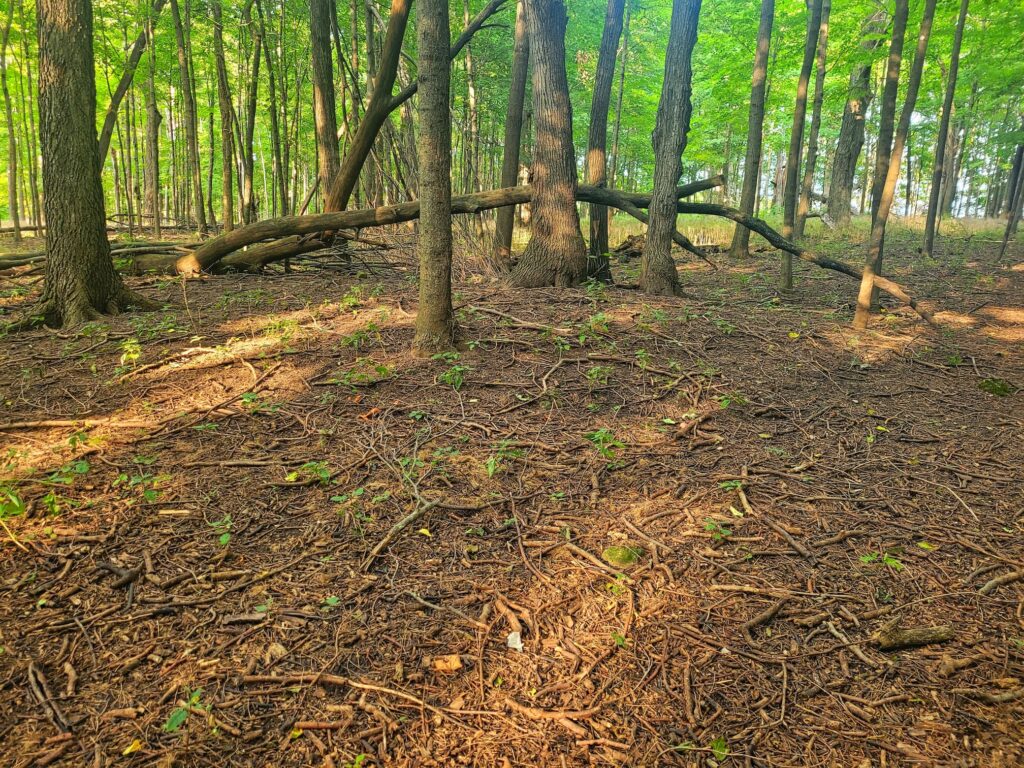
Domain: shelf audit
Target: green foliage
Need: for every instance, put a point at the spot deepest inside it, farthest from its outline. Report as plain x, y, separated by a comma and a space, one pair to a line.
605, 442
223, 528
179, 715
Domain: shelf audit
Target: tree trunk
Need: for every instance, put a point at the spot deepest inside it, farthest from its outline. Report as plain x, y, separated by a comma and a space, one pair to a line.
940, 151
807, 185
191, 137
227, 146
556, 254
596, 165
796, 139
851, 132
134, 57
324, 112
513, 138
280, 184
873, 263
81, 283
890, 92
755, 126
153, 118
624, 57
435, 321
12, 142
249, 208
658, 274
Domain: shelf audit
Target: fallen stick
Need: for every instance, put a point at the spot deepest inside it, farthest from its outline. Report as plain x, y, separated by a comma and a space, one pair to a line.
762, 618
892, 638
999, 581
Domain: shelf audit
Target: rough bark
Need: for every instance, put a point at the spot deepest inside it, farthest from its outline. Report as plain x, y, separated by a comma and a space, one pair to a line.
796, 138
80, 283
324, 111
939, 168
658, 274
807, 185
873, 262
435, 321
596, 166
513, 138
755, 125
134, 57
191, 137
887, 114
624, 58
249, 212
227, 119
556, 254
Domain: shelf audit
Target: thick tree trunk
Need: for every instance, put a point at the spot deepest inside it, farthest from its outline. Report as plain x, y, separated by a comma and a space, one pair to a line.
227, 119
658, 274
873, 263
324, 112
513, 138
191, 132
596, 165
887, 115
81, 283
851, 133
940, 165
755, 127
435, 321
796, 139
12, 143
807, 185
556, 254
134, 57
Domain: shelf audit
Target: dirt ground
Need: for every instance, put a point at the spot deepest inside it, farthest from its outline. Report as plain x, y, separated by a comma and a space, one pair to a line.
210, 569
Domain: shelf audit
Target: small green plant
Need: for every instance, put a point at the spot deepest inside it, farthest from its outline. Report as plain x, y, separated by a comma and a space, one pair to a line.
605, 442
731, 398
179, 715
718, 531
66, 475
131, 351
222, 528
11, 504
885, 558
598, 323
311, 470
502, 452
599, 374
619, 639
455, 376
330, 602
997, 387
145, 483
357, 761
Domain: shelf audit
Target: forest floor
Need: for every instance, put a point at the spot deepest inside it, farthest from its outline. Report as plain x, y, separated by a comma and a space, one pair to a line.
203, 573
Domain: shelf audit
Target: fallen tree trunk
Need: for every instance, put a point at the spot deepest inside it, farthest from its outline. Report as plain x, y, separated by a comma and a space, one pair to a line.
212, 251
293, 227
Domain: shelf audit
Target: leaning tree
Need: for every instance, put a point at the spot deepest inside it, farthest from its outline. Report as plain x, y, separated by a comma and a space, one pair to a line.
81, 283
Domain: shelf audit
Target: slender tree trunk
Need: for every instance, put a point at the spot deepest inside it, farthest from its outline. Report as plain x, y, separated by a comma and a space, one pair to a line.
227, 145
658, 273
755, 126
191, 137
807, 185
12, 142
556, 254
249, 208
81, 283
473, 157
279, 193
796, 140
624, 58
513, 138
435, 321
153, 118
324, 112
887, 116
873, 263
940, 151
134, 57
596, 166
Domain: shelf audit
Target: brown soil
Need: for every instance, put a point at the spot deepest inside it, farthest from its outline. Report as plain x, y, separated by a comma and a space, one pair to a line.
241, 455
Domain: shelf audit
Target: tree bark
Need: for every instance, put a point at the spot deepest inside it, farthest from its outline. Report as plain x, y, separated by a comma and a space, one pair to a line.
658, 273
12, 142
435, 320
513, 138
249, 212
887, 115
624, 58
227, 119
324, 111
80, 283
191, 137
556, 254
939, 168
873, 263
796, 139
596, 165
755, 126
807, 185
153, 118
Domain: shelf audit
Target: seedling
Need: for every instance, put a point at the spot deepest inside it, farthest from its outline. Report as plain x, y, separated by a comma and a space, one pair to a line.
605, 442
223, 527
180, 714
718, 531
503, 451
